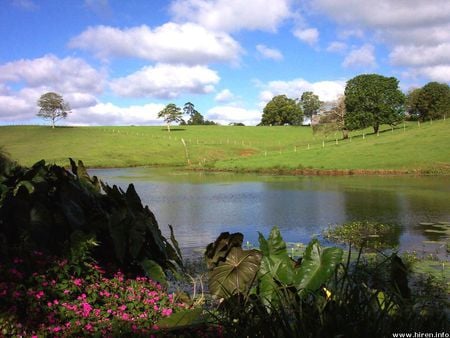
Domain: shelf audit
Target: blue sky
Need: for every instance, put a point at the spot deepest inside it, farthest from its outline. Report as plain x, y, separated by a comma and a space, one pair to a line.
120, 62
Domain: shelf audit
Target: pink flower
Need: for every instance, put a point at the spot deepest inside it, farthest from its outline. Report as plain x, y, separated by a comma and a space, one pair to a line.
166, 312
87, 308
77, 282
39, 295
56, 329
122, 307
88, 327
66, 292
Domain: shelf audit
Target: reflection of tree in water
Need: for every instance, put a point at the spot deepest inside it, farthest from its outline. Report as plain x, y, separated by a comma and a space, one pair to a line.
377, 206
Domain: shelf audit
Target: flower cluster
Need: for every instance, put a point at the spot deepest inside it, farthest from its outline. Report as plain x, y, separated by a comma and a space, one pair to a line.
50, 302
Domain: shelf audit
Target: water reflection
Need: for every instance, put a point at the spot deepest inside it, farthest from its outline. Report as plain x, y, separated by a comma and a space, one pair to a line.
200, 205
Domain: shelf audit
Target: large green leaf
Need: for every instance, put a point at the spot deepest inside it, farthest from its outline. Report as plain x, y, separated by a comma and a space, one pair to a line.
274, 245
217, 251
188, 318
317, 266
154, 271
236, 274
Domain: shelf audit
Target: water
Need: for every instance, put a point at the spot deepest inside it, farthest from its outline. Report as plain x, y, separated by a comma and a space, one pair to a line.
202, 205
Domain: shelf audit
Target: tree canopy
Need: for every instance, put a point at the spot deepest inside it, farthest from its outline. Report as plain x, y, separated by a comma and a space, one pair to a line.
282, 110
333, 120
310, 103
53, 107
432, 101
171, 113
372, 100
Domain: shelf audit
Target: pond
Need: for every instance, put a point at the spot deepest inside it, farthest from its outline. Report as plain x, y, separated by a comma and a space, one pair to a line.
201, 205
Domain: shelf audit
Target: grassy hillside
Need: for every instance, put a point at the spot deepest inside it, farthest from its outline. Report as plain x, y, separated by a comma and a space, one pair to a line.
408, 147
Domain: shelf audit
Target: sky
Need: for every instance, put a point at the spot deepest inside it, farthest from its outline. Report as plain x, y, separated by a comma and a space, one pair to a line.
120, 62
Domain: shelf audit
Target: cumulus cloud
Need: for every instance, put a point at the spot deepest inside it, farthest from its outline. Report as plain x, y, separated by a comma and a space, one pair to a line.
166, 81
326, 90
227, 114
111, 114
336, 47
73, 78
269, 53
308, 35
418, 32
233, 15
363, 57
187, 43
224, 96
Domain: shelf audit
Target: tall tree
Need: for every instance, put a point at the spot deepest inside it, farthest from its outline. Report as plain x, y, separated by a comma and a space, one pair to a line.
52, 107
189, 108
310, 104
372, 100
282, 110
433, 101
171, 113
412, 102
334, 119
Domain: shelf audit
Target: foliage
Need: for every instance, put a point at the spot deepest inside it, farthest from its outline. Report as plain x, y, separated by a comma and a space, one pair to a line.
372, 100
433, 101
48, 208
53, 107
233, 271
282, 110
171, 113
362, 298
333, 120
412, 103
310, 103
53, 301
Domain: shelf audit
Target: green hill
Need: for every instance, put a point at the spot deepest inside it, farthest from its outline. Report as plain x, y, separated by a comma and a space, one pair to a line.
406, 148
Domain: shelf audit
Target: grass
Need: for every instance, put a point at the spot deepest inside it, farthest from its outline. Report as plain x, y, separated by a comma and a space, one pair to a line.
408, 148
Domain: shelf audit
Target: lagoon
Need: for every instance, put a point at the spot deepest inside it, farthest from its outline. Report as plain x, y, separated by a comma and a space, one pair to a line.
201, 205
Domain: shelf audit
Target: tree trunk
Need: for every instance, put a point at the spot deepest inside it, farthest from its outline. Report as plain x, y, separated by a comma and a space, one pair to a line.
345, 134
168, 127
376, 126
53, 123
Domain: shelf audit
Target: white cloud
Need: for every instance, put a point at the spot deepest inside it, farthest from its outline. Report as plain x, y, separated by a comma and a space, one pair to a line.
170, 43
227, 114
269, 53
166, 81
224, 96
417, 31
308, 35
73, 78
326, 90
336, 47
63, 75
361, 57
110, 114
233, 15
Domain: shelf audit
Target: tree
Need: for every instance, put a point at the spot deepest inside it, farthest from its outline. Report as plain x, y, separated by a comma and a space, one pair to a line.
310, 104
433, 101
412, 103
171, 113
282, 110
372, 100
334, 119
53, 107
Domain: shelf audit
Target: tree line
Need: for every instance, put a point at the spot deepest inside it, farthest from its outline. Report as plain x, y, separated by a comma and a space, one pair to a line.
369, 100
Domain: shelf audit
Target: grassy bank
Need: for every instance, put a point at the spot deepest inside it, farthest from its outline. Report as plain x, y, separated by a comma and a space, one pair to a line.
406, 148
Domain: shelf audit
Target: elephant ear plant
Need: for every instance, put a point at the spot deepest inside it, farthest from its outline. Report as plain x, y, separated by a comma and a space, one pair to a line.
269, 270
46, 206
